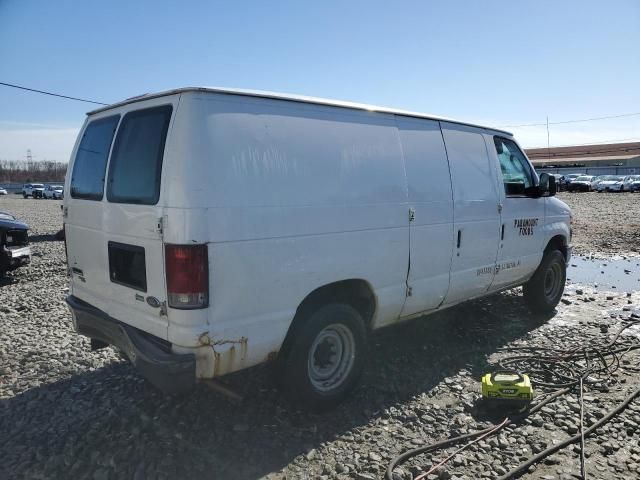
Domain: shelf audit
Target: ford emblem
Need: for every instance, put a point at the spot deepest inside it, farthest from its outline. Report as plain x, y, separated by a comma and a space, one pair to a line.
153, 302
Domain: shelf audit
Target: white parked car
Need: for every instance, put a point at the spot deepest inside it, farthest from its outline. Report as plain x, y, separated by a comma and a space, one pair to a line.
3, 191
581, 184
631, 183
210, 230
596, 181
611, 183
32, 190
53, 191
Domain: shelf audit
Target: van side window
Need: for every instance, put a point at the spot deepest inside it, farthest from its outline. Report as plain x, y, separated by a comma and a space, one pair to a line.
87, 178
136, 162
516, 172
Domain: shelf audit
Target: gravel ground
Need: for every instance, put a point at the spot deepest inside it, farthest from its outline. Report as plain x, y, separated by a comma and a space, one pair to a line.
67, 412
605, 223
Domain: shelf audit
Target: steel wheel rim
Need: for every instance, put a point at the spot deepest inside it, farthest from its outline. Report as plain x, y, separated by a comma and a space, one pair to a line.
331, 357
552, 281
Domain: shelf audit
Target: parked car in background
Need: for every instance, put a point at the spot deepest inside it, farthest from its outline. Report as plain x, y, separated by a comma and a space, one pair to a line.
596, 181
611, 183
581, 184
32, 190
631, 183
571, 177
559, 182
53, 191
14, 243
3, 191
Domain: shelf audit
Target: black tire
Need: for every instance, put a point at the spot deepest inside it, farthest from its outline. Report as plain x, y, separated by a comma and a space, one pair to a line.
544, 290
24, 195
317, 337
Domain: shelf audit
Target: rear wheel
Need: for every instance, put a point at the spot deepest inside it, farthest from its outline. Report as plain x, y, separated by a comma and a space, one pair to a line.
326, 357
544, 290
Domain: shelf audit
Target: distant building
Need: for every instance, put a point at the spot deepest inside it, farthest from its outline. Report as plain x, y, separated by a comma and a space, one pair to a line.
605, 155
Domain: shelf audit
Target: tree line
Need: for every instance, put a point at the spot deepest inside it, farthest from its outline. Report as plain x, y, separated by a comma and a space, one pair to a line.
19, 171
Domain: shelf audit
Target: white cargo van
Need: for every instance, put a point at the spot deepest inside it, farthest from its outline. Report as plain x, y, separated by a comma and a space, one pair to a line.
209, 230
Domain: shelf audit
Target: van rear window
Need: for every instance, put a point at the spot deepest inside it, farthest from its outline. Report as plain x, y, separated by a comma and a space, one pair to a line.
87, 178
136, 161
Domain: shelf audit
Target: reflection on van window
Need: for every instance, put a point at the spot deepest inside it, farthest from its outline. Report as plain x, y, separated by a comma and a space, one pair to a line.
136, 162
87, 179
516, 173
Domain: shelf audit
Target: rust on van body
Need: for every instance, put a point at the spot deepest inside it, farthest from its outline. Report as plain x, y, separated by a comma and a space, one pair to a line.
231, 359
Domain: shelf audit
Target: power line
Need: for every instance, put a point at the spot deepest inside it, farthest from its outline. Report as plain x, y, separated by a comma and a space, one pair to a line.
571, 121
52, 94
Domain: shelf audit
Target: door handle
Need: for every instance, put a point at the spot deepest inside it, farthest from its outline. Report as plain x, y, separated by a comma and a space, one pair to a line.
459, 237
502, 233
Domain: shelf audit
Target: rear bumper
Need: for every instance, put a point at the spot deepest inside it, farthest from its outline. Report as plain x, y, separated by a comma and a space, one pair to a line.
152, 357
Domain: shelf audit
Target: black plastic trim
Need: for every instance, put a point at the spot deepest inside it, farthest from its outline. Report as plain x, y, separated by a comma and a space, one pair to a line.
170, 372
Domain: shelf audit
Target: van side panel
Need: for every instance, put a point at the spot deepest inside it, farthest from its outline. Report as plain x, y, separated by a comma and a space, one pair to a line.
290, 197
476, 215
429, 186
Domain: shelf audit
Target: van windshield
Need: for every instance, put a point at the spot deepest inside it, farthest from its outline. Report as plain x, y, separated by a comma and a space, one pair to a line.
136, 161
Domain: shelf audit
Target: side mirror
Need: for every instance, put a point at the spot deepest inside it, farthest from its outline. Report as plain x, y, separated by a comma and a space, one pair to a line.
547, 184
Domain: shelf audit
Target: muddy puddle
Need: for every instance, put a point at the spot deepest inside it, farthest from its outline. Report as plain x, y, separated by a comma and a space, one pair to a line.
605, 275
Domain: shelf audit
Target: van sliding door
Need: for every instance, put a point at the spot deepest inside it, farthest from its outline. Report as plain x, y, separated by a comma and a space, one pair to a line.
476, 215
431, 203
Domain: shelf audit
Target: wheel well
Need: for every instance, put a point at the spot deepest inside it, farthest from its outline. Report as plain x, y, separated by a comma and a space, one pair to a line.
559, 242
355, 292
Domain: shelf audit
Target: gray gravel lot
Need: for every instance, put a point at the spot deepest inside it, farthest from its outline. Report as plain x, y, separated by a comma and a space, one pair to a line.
67, 412
605, 223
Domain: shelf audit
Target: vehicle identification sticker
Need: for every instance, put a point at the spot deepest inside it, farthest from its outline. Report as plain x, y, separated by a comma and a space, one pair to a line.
496, 269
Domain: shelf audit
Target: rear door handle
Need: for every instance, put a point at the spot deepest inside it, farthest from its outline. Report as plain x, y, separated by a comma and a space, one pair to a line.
502, 233
459, 237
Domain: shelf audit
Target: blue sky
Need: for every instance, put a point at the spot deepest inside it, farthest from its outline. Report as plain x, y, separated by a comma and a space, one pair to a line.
494, 62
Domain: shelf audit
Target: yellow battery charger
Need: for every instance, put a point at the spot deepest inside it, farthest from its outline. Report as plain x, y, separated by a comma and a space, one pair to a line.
507, 386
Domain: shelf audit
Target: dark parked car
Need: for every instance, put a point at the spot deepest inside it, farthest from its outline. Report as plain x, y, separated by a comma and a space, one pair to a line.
570, 178
14, 243
560, 182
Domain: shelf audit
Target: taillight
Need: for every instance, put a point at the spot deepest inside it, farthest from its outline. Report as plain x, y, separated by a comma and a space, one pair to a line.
187, 268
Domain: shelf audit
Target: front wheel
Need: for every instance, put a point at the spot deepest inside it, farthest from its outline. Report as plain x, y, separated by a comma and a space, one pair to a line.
544, 290
326, 358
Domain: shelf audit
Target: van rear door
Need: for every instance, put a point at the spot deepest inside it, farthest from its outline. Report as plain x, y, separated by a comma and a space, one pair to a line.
114, 227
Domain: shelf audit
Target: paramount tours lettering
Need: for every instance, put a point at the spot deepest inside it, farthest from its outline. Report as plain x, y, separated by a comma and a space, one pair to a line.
525, 225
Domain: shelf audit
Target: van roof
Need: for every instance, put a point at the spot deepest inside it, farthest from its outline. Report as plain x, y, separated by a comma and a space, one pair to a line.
293, 98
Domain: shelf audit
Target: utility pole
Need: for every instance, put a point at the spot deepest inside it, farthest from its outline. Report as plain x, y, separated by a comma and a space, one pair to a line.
548, 146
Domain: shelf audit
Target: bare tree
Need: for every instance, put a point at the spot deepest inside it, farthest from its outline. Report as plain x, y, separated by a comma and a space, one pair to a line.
14, 171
